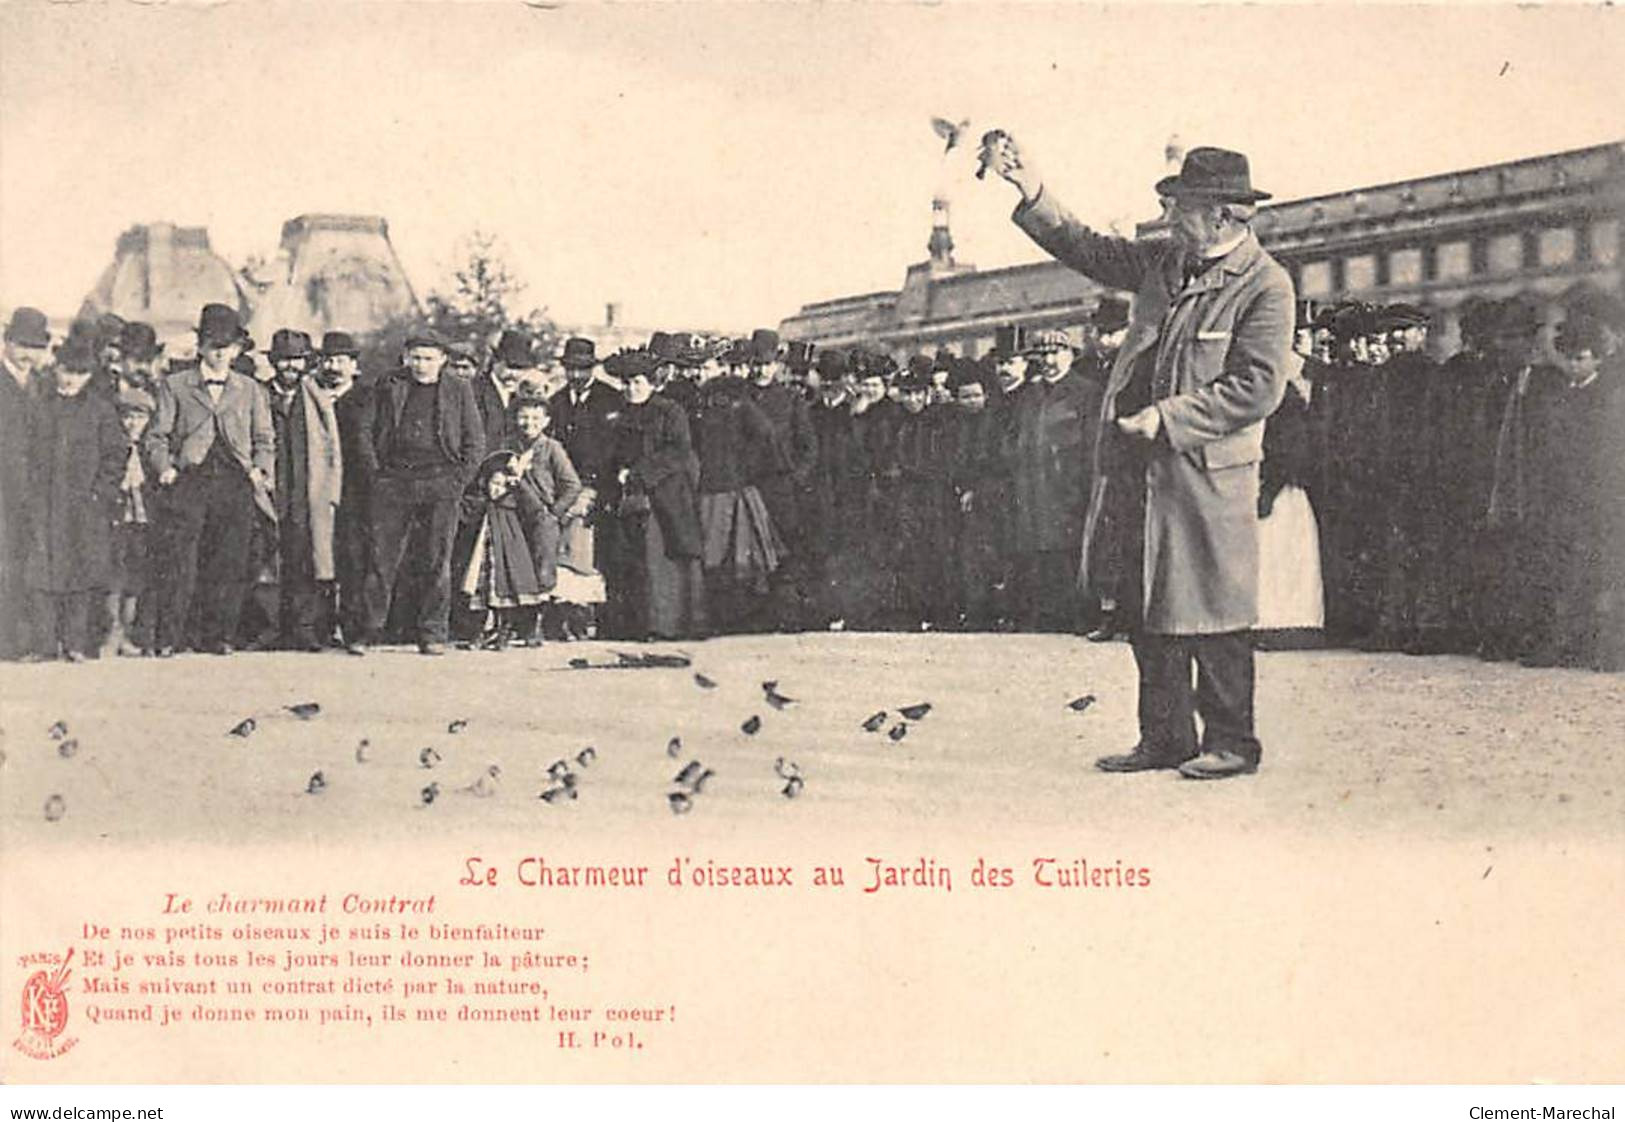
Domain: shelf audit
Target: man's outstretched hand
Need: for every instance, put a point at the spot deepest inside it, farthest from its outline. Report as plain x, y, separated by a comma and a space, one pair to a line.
1145, 424
1004, 156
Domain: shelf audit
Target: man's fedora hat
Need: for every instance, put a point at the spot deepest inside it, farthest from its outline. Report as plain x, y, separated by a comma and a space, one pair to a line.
1215, 174
664, 346
288, 343
514, 349
75, 355
335, 343
219, 325
29, 328
579, 354
140, 342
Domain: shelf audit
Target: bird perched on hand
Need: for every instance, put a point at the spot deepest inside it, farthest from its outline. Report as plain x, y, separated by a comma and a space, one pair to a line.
874, 721
317, 784
305, 710
243, 728
770, 690
428, 757
950, 132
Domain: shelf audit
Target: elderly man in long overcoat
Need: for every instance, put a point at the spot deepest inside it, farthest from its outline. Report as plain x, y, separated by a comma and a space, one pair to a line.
1203, 365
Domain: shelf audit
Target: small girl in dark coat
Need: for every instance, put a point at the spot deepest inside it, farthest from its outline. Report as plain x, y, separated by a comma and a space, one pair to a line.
500, 577
77, 455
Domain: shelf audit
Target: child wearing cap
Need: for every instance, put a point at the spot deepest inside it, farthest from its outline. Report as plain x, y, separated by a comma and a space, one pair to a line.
128, 606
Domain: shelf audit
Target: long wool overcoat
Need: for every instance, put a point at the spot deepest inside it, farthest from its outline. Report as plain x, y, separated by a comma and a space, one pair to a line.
1218, 346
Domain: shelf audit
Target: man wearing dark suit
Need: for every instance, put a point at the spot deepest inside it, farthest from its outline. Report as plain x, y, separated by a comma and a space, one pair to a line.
213, 448
421, 440
27, 351
1183, 412
580, 410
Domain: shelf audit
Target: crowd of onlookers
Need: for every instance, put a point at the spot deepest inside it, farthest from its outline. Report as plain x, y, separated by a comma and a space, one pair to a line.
484, 494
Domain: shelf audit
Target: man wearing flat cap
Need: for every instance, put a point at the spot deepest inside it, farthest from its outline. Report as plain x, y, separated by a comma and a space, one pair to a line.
26, 352
1181, 425
421, 441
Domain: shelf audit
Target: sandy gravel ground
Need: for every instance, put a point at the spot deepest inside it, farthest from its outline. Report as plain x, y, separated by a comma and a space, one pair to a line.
1376, 744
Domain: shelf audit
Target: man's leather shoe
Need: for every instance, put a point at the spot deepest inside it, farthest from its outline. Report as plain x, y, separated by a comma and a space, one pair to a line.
355, 647
431, 648
1220, 764
1137, 760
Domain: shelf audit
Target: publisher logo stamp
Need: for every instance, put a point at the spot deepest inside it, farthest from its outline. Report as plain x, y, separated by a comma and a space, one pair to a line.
45, 1012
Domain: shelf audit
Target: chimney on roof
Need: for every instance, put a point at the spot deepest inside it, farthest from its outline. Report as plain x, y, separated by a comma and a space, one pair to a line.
612, 313
941, 245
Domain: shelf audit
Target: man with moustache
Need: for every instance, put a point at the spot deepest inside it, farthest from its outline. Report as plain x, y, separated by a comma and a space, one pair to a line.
213, 448
1203, 365
26, 352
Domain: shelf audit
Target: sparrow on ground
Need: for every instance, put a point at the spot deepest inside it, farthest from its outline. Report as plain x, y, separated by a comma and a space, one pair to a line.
305, 710
244, 727
874, 721
752, 726
774, 698
430, 793
586, 756
317, 784
58, 730
679, 802
898, 731
428, 757
915, 712
703, 682
674, 747
68, 747
457, 726
786, 769
1079, 704
793, 787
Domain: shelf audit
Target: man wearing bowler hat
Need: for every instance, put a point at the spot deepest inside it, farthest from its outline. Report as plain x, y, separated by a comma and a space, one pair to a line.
213, 448
26, 352
1181, 425
421, 442
513, 361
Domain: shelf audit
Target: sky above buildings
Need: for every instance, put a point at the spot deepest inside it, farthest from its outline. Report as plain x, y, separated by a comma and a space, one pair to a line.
721, 165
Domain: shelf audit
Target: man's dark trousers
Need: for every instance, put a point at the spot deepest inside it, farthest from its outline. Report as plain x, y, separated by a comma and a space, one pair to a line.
1169, 703
214, 503
403, 510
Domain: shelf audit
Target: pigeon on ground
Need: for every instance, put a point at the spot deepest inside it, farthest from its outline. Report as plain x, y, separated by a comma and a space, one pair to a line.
68, 747
244, 727
690, 770
697, 784
793, 787
703, 682
58, 730
1079, 704
363, 751
752, 726
317, 784
898, 731
558, 768
305, 710
915, 712
949, 131
430, 793
679, 802
774, 698
55, 808
786, 769
586, 756
457, 726
428, 757
874, 721
674, 747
